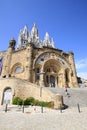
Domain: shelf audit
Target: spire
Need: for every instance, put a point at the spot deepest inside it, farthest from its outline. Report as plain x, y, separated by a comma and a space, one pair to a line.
25, 32
52, 43
25, 28
34, 31
46, 39
23, 37
34, 37
47, 42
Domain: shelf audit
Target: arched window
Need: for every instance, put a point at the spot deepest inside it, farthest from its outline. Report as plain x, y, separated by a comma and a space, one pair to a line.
17, 68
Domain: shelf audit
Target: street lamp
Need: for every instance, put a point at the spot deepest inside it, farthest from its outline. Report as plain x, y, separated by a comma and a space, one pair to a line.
38, 74
42, 73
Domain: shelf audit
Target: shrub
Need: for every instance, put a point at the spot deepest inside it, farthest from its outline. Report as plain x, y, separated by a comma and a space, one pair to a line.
44, 104
32, 101
17, 101
29, 101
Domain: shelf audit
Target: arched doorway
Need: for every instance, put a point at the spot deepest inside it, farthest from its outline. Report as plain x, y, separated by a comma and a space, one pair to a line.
52, 68
7, 96
52, 81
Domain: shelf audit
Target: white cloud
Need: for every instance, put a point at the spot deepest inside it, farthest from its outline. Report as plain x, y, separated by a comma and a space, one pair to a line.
81, 63
81, 68
82, 74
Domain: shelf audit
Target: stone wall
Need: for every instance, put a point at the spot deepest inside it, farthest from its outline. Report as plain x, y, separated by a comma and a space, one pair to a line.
24, 89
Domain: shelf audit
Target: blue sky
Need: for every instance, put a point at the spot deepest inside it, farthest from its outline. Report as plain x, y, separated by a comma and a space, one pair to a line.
65, 21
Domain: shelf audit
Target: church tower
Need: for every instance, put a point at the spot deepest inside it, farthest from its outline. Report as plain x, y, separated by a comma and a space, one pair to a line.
7, 58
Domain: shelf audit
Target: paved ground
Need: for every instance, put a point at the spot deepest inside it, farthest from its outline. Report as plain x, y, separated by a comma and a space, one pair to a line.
33, 119
69, 119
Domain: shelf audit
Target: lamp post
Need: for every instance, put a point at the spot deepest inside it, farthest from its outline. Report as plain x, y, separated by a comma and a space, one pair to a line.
42, 73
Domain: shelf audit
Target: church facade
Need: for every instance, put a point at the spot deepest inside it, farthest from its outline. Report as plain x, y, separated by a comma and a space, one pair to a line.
39, 62
35, 64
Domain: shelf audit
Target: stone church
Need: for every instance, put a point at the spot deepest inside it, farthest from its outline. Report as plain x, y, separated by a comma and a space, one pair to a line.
36, 62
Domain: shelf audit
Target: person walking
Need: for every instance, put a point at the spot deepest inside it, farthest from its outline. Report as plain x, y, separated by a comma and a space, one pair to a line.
66, 91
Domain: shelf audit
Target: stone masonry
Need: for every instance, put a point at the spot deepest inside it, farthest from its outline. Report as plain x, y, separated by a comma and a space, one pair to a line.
41, 65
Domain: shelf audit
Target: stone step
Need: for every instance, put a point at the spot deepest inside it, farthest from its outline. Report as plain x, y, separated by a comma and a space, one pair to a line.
76, 96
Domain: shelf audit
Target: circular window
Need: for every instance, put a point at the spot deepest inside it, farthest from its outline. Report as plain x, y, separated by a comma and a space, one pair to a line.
18, 69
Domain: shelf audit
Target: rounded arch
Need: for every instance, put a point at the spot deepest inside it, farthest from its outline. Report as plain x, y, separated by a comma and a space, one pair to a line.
52, 63
17, 68
50, 55
7, 95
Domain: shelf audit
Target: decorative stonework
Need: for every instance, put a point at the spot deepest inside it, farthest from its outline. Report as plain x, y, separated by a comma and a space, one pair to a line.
50, 55
33, 38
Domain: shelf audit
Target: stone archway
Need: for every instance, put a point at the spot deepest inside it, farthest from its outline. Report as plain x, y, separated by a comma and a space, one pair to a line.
54, 66
7, 96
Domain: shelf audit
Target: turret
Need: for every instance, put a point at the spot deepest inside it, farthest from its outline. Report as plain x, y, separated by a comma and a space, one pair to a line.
7, 58
12, 44
28, 67
73, 73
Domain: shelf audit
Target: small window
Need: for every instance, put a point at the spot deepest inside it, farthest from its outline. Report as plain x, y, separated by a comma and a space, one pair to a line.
48, 70
37, 71
18, 69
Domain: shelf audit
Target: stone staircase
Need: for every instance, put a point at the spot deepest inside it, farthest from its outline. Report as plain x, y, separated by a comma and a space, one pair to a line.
76, 96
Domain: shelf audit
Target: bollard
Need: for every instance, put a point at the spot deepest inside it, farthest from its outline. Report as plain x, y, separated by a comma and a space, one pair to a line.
78, 107
23, 109
6, 107
60, 108
41, 109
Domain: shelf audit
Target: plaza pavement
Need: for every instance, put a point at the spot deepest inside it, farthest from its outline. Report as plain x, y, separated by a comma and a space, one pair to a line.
33, 119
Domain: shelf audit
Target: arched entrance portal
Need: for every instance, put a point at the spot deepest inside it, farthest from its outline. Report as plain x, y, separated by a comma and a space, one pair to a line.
7, 96
57, 70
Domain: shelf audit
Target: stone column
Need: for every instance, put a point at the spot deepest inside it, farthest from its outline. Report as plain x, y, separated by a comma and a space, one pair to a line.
64, 78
